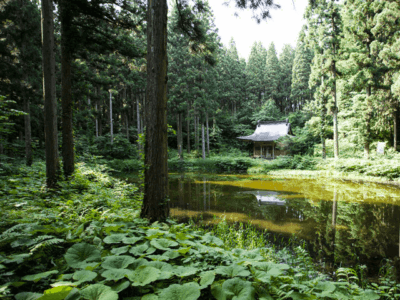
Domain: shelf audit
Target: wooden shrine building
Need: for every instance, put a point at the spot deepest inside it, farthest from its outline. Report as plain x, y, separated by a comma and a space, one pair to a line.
264, 137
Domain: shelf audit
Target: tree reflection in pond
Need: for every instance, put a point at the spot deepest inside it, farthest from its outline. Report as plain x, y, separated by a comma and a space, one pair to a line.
342, 222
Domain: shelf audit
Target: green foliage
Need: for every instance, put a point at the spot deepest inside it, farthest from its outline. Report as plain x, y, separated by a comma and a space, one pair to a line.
113, 254
213, 164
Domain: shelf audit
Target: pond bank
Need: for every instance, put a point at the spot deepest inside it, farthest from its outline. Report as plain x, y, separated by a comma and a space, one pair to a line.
336, 175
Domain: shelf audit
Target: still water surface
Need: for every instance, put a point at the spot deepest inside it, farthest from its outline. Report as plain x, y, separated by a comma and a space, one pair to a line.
342, 222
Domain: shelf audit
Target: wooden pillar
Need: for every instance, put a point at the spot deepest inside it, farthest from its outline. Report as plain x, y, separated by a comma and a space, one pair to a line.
273, 150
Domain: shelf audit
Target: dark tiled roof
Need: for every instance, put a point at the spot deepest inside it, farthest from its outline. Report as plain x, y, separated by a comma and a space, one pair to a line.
268, 131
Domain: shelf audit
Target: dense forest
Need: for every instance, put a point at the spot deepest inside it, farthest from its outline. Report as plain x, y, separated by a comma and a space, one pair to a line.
341, 80
147, 81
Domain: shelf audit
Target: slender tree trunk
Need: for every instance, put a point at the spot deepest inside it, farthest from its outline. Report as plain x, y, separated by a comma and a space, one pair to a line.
155, 202
179, 135
1, 147
97, 121
27, 117
188, 131
395, 133
335, 114
111, 120
203, 144
195, 132
66, 95
208, 137
28, 134
138, 124
368, 118
49, 91
198, 134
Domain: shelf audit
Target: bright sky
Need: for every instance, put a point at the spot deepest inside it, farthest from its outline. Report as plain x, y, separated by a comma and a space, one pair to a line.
282, 28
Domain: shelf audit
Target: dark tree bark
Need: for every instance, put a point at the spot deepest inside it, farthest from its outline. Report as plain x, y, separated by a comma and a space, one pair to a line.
179, 135
368, 118
49, 91
68, 154
188, 132
395, 125
208, 136
28, 132
27, 117
155, 202
203, 144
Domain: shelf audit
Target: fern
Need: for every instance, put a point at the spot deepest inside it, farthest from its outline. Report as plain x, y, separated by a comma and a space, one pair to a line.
45, 244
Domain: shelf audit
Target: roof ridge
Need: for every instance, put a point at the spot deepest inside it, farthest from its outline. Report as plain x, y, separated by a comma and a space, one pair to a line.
270, 122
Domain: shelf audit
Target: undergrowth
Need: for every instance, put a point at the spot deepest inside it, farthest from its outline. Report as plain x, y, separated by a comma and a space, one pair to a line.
85, 241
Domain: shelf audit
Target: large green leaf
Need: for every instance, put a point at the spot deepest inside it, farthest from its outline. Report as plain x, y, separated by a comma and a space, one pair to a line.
207, 278
99, 292
217, 291
166, 269
163, 244
27, 296
210, 239
139, 250
81, 253
238, 289
266, 266
232, 271
84, 275
137, 263
114, 238
37, 277
187, 291
368, 295
56, 293
120, 250
131, 240
144, 275
119, 287
116, 274
184, 271
268, 270
117, 262
171, 254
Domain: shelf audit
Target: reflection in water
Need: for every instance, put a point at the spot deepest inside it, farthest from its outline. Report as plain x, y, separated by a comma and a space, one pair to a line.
343, 222
266, 197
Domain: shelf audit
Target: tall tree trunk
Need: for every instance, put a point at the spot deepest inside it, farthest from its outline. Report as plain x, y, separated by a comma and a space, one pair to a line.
97, 121
335, 114
155, 202
138, 124
126, 113
198, 134
208, 137
203, 144
395, 125
28, 134
188, 131
179, 135
195, 132
368, 118
1, 148
66, 95
49, 91
111, 121
27, 117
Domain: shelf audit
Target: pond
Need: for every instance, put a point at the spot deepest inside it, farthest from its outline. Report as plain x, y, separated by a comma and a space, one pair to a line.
342, 222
